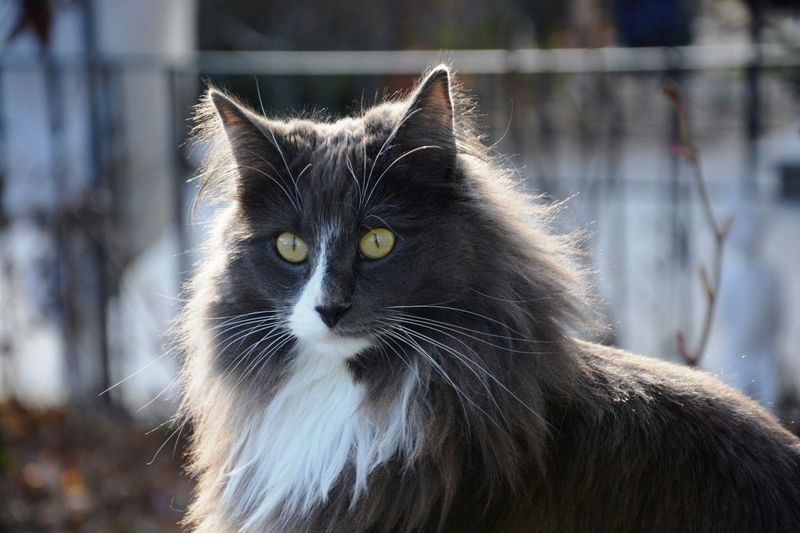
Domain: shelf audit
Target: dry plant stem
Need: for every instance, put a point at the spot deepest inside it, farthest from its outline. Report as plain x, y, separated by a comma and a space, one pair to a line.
689, 152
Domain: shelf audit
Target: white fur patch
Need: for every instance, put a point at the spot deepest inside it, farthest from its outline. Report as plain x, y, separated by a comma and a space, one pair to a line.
308, 327
287, 458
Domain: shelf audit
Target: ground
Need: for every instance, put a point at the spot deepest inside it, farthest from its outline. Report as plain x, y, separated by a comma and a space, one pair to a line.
65, 470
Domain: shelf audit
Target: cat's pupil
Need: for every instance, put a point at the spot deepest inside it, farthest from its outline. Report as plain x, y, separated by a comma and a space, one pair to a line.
375, 238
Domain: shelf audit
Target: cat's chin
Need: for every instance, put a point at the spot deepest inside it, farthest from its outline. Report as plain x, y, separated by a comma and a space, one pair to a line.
333, 346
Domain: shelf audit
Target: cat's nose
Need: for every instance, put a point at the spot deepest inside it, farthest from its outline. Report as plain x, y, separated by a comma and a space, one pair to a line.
332, 312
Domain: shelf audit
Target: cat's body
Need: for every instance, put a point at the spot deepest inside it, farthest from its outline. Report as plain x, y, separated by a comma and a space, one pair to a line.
339, 383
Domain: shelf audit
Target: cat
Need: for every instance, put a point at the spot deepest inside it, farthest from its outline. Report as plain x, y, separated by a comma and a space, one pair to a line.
381, 336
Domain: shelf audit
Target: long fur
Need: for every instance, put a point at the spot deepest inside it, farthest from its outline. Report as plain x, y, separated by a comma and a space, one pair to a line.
471, 407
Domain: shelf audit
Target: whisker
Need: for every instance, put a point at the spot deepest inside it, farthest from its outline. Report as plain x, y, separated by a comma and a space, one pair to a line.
531, 300
489, 374
398, 159
383, 146
157, 396
270, 349
279, 184
462, 357
300, 175
381, 220
161, 425
275, 142
441, 326
416, 346
149, 463
244, 319
241, 336
456, 309
403, 359
349, 166
260, 326
244, 355
266, 311
145, 367
264, 358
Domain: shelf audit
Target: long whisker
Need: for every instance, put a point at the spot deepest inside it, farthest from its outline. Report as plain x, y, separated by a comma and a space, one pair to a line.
150, 462
242, 315
270, 329
385, 144
471, 330
442, 326
382, 336
349, 166
459, 310
395, 337
489, 374
241, 336
531, 300
259, 325
161, 425
300, 175
264, 357
277, 146
145, 367
464, 359
408, 339
381, 220
154, 361
397, 160
278, 183
228, 325
157, 396
267, 352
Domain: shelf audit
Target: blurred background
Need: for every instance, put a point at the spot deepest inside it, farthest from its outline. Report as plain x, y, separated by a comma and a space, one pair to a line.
95, 190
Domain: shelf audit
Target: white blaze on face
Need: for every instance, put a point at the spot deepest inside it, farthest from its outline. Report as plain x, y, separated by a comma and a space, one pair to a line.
306, 324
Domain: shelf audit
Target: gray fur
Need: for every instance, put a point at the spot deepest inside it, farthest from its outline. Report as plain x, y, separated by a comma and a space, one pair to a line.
516, 425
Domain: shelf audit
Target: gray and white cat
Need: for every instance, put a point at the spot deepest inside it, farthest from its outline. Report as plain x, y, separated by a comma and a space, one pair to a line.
378, 339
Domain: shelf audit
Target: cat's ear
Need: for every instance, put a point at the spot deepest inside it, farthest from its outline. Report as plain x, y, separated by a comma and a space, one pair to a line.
255, 143
239, 124
426, 134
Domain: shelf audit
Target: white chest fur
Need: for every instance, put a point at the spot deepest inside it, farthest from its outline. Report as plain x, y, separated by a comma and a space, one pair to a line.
287, 458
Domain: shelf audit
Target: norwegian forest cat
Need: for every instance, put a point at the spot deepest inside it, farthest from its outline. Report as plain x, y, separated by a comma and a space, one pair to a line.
380, 339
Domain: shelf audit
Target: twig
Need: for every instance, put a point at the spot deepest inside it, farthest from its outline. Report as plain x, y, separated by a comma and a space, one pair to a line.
687, 150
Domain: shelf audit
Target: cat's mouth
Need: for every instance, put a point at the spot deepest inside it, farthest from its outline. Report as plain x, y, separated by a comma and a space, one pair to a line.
331, 344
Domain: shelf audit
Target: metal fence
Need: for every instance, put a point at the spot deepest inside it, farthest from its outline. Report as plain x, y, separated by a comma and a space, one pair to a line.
591, 123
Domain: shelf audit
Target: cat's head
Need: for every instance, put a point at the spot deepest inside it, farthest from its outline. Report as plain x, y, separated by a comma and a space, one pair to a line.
376, 289
368, 234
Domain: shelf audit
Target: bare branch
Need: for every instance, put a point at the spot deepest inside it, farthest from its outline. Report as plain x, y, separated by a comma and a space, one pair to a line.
687, 150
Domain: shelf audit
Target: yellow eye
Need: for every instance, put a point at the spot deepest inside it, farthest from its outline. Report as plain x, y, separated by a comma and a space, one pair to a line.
376, 243
291, 247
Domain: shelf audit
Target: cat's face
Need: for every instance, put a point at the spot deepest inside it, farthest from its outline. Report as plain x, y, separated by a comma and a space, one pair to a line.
342, 226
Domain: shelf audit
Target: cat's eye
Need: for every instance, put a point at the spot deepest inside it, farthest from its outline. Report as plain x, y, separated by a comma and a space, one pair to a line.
291, 248
376, 243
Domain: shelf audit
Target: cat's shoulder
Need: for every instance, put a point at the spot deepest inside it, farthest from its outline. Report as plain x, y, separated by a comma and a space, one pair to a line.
626, 368
669, 394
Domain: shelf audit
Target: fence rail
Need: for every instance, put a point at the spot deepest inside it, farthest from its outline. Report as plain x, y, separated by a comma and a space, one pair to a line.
385, 62
587, 134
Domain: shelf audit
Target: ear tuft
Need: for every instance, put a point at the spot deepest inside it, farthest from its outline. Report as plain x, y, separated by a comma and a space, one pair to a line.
433, 96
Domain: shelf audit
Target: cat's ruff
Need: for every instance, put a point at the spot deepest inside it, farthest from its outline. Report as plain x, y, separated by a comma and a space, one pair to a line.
288, 457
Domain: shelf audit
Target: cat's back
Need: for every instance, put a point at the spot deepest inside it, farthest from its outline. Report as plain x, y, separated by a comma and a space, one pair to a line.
652, 446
